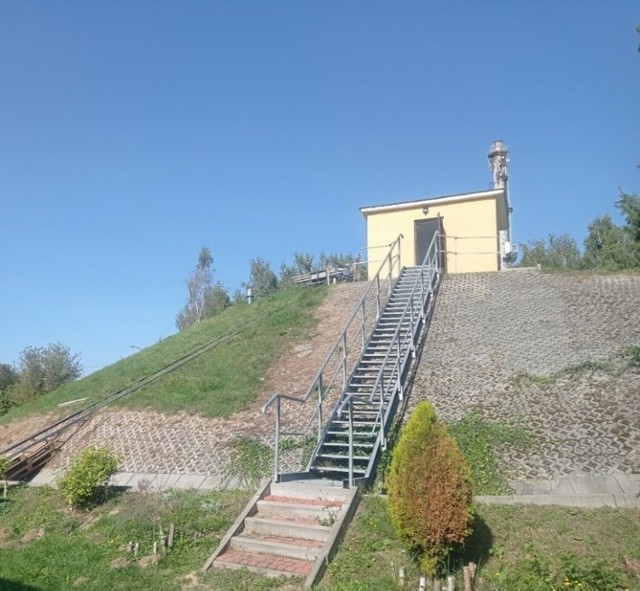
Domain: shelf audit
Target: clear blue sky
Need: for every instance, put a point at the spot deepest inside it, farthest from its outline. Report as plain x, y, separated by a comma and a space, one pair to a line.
134, 132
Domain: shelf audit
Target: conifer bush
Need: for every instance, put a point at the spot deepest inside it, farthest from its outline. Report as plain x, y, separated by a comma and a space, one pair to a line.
429, 488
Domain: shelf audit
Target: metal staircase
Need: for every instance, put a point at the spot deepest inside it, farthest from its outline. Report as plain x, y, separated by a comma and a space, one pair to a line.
362, 380
356, 430
283, 529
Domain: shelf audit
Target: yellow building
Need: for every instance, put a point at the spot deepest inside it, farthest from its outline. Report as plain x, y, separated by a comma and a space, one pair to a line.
473, 227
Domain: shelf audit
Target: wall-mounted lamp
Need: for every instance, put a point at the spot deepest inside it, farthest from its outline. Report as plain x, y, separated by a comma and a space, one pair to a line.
425, 210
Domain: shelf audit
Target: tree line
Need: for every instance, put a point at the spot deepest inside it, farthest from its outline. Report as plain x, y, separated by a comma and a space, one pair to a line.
607, 246
39, 370
207, 297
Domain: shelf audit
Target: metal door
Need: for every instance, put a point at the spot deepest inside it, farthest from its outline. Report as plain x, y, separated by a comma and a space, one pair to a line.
424, 232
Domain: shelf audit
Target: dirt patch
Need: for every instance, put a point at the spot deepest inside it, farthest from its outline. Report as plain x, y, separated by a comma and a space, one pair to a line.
32, 535
24, 428
147, 561
119, 563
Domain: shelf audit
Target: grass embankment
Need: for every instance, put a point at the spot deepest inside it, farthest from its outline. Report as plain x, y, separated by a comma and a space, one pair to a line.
520, 548
45, 546
517, 548
219, 382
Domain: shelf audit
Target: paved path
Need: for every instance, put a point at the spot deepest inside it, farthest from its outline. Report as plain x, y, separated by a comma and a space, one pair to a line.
615, 490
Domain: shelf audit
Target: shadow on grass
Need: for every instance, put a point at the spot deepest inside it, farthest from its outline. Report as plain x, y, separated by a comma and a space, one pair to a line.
477, 547
8, 585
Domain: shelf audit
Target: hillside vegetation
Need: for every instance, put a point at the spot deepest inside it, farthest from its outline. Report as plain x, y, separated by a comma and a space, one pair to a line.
221, 381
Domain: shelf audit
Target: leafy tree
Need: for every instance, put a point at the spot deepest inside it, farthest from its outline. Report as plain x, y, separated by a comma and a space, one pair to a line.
303, 262
556, 252
629, 205
8, 378
205, 297
262, 279
606, 246
43, 369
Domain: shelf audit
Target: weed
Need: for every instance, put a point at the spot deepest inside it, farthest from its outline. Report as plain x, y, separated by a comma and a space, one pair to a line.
477, 439
251, 460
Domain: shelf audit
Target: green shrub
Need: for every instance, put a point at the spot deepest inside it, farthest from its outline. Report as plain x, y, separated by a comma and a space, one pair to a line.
4, 466
86, 482
429, 488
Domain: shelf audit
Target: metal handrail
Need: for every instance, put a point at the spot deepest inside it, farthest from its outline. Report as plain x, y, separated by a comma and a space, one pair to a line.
431, 264
340, 353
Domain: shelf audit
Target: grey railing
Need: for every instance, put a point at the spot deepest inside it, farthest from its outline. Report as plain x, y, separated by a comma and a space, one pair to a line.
402, 347
331, 380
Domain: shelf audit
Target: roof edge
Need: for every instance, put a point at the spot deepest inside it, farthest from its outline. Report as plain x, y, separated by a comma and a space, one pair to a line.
367, 209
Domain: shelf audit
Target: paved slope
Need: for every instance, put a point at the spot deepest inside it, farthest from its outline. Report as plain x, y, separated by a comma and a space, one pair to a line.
496, 344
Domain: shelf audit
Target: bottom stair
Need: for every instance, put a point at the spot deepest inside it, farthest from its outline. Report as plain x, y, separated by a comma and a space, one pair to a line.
290, 529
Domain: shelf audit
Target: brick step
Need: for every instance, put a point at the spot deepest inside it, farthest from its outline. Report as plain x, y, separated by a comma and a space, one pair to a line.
265, 564
277, 546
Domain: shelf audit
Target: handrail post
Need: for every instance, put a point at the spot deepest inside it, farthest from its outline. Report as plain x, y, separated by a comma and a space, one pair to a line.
350, 442
364, 338
344, 360
319, 408
377, 297
276, 453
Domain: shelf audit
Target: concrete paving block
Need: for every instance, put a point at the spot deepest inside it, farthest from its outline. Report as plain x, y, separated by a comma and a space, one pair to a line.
629, 483
531, 487
562, 486
627, 501
46, 477
141, 481
585, 484
121, 478
165, 481
220, 483
190, 481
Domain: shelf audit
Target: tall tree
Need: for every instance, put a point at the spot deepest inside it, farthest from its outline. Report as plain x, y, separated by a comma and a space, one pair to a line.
205, 297
556, 252
607, 246
262, 279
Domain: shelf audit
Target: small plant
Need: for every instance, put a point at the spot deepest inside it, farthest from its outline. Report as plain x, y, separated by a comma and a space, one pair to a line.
86, 482
4, 466
251, 461
429, 488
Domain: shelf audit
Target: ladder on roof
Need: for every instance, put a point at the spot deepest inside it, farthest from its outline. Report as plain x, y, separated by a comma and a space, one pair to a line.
363, 378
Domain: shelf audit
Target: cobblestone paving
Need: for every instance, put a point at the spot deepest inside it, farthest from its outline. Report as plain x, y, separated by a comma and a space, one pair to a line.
489, 329
151, 442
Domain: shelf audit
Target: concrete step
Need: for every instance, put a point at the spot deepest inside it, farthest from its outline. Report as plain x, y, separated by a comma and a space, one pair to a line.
299, 509
286, 528
278, 546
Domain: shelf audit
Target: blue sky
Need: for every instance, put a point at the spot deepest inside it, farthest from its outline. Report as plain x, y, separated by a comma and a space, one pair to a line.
134, 132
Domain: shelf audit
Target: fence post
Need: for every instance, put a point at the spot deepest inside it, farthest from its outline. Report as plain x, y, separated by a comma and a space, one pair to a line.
350, 442
276, 454
319, 408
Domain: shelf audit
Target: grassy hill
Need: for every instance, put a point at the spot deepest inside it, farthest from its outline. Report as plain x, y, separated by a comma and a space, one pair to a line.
219, 382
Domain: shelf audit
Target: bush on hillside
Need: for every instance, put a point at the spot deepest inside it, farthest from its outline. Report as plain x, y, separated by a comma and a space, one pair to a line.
429, 488
86, 482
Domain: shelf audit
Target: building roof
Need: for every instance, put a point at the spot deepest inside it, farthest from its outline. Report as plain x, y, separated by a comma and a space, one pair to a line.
492, 193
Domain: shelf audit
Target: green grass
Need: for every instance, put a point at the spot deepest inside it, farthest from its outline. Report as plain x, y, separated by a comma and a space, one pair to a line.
218, 383
83, 549
477, 439
517, 548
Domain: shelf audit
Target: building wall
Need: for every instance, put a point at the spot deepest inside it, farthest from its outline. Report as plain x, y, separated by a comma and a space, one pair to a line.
470, 227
